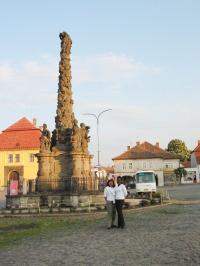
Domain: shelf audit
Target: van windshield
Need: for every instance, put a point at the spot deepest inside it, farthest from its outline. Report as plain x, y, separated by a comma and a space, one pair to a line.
145, 177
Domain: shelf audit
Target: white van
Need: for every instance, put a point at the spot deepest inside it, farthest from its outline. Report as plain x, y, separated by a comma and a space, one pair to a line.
145, 182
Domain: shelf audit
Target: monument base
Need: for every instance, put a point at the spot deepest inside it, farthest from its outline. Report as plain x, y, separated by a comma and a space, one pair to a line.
31, 201
50, 200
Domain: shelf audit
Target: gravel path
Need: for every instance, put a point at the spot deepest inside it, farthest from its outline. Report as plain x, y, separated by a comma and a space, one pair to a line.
162, 236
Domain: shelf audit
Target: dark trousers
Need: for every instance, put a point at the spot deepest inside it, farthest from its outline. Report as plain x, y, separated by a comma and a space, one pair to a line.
119, 205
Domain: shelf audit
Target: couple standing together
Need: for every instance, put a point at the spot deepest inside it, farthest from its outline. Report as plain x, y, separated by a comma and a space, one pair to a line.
114, 195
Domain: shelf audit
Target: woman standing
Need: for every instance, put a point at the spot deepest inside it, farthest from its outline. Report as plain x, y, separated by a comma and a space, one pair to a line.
120, 195
109, 195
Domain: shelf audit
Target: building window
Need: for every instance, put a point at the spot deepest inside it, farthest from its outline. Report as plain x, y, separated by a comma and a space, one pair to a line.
31, 157
124, 166
169, 165
150, 165
144, 165
130, 166
10, 158
17, 158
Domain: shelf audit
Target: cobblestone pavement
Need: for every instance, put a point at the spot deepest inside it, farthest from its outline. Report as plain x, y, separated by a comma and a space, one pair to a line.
160, 236
184, 192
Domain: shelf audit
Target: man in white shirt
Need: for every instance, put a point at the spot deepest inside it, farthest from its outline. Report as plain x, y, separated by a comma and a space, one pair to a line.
120, 195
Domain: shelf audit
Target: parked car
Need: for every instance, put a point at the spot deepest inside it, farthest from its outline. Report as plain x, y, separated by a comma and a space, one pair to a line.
129, 182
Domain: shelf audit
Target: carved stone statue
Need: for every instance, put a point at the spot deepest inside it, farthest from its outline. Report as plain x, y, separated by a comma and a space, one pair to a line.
85, 138
76, 137
54, 138
45, 139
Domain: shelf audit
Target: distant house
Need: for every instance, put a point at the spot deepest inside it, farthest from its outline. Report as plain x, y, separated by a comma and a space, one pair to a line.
195, 160
195, 156
18, 145
146, 156
103, 171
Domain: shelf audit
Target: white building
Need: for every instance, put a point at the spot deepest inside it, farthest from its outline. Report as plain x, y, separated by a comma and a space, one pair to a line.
191, 177
195, 162
146, 156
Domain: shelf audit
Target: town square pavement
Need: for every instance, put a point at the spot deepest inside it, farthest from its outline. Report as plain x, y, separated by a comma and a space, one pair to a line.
157, 236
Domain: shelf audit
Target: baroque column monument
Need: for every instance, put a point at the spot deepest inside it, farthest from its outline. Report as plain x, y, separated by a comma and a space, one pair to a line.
64, 176
64, 160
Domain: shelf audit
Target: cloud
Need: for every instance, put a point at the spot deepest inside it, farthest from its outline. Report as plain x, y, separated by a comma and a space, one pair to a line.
127, 123
27, 82
45, 67
108, 68
6, 73
39, 77
29, 88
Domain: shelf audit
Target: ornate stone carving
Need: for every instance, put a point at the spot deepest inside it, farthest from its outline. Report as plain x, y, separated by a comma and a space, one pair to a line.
45, 139
54, 138
76, 137
64, 118
66, 155
85, 138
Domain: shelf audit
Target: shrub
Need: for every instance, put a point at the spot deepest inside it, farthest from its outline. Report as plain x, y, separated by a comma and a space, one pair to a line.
145, 203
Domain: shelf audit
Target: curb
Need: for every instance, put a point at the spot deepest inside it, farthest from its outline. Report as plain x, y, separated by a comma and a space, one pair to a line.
93, 213
185, 202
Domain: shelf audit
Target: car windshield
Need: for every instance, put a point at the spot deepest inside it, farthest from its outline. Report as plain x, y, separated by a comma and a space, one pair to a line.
145, 177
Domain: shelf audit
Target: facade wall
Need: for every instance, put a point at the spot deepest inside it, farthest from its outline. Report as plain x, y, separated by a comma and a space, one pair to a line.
193, 160
191, 174
171, 164
194, 164
131, 166
158, 165
160, 178
21, 162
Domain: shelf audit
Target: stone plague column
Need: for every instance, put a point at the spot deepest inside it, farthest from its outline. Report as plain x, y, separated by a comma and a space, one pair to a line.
66, 158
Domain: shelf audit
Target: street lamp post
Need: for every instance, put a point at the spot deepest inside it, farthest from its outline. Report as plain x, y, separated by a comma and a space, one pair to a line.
97, 119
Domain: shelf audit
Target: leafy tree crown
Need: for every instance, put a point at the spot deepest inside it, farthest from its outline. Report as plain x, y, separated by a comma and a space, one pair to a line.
178, 147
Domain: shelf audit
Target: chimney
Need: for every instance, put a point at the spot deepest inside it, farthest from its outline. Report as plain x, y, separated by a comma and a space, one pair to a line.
157, 144
35, 122
128, 148
137, 143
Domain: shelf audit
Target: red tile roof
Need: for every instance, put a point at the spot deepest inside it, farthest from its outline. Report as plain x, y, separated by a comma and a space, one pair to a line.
145, 151
21, 135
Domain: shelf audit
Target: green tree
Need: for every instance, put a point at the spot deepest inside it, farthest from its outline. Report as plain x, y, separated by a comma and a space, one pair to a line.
180, 172
178, 147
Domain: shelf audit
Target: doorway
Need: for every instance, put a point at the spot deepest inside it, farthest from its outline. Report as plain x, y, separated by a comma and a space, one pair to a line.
14, 183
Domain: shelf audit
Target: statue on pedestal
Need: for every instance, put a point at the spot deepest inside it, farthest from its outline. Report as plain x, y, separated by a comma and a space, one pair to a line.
85, 138
65, 156
45, 139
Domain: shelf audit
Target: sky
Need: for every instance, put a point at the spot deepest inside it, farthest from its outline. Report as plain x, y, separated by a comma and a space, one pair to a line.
139, 58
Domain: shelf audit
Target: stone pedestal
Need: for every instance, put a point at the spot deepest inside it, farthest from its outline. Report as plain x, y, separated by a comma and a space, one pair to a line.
23, 201
57, 169
54, 200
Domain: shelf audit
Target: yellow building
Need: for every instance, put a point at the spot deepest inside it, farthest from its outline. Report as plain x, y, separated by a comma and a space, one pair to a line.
18, 144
